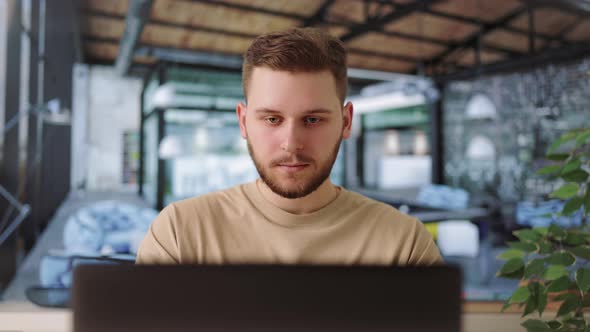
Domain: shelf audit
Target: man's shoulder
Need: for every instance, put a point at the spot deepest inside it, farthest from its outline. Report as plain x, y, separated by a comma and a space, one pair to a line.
381, 212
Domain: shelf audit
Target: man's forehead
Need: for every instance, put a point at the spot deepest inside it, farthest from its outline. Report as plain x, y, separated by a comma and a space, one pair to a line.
271, 89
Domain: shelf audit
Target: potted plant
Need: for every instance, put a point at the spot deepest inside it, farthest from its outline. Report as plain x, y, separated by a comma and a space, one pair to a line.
553, 263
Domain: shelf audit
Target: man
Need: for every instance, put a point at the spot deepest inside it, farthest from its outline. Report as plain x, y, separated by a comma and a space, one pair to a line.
294, 121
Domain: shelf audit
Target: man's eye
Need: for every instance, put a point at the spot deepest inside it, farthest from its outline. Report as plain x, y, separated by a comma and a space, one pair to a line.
312, 120
272, 120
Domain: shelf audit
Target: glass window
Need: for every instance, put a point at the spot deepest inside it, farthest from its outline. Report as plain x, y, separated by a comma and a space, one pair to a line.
213, 154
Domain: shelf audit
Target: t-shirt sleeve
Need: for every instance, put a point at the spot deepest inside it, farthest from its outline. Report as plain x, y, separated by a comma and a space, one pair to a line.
425, 250
159, 246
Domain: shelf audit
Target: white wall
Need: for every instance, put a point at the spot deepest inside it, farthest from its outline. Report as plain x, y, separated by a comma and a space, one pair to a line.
113, 107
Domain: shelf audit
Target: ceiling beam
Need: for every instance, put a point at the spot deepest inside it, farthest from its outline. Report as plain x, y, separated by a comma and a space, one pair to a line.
145, 47
575, 7
262, 10
377, 24
253, 9
563, 54
137, 15
194, 27
320, 15
475, 21
397, 57
472, 40
191, 56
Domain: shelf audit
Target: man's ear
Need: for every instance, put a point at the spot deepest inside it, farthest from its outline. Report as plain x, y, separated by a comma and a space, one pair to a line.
241, 110
347, 111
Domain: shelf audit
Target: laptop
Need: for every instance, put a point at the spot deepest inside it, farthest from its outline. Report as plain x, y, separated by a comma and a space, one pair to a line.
232, 298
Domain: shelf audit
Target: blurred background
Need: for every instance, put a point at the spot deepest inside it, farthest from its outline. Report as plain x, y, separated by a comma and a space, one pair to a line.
112, 109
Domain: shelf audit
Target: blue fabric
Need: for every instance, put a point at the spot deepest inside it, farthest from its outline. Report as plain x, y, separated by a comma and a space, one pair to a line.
51, 270
94, 234
443, 197
542, 214
107, 227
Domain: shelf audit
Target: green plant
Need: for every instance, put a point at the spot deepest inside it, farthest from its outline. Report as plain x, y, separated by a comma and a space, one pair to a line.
552, 262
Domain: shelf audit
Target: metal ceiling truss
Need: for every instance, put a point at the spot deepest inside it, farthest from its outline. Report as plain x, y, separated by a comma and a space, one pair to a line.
474, 39
138, 14
375, 21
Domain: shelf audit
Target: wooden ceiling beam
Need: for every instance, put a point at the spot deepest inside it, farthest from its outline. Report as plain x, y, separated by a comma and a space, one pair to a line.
377, 24
253, 9
473, 39
474, 21
319, 15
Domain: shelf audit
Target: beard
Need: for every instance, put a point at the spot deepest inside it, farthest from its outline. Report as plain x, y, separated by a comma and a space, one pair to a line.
305, 183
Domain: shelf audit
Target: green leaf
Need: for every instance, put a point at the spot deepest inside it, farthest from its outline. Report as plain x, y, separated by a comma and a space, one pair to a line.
582, 252
531, 306
582, 138
568, 306
560, 141
513, 275
534, 267
547, 170
535, 325
512, 253
541, 302
541, 230
571, 166
564, 297
524, 246
559, 285
520, 295
561, 258
574, 238
545, 247
583, 279
558, 156
586, 302
573, 205
527, 235
532, 303
557, 232
566, 191
512, 265
555, 272
577, 175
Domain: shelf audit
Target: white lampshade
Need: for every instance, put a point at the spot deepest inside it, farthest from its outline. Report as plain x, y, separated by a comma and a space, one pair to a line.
420, 143
171, 147
481, 148
392, 145
481, 107
164, 96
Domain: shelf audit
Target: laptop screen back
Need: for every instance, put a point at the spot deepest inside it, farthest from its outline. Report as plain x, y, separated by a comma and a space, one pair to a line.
265, 297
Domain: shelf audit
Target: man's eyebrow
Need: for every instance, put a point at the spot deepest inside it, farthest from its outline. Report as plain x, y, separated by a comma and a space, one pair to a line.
312, 111
266, 110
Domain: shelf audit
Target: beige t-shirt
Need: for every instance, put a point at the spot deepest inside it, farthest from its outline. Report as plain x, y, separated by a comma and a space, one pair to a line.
239, 226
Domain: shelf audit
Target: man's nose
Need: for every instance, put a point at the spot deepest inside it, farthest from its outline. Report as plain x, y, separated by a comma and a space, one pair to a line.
292, 138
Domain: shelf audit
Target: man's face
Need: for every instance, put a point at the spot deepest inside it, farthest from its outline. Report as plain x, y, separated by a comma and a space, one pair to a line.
294, 123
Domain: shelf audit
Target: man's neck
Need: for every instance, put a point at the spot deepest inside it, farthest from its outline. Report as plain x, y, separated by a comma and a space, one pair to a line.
324, 195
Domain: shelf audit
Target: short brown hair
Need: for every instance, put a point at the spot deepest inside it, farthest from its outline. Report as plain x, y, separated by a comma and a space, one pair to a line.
298, 50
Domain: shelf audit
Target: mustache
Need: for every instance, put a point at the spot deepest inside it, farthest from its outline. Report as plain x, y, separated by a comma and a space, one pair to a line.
294, 159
